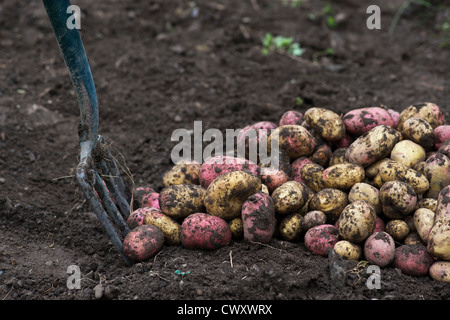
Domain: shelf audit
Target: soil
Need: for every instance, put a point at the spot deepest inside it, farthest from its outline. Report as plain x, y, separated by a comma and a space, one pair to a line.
160, 66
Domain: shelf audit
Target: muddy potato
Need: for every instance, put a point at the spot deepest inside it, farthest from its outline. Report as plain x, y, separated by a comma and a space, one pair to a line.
343, 176
428, 111
179, 201
348, 250
290, 228
326, 123
391, 170
311, 174
419, 131
372, 146
296, 168
291, 117
345, 142
445, 148
379, 225
321, 239
379, 249
357, 221
441, 134
170, 228
204, 231
289, 197
364, 191
372, 170
437, 170
423, 222
143, 242
395, 115
258, 217
413, 238
359, 121
237, 228
398, 199
139, 193
408, 153
226, 194
182, 173
439, 236
413, 260
150, 200
249, 139
398, 229
330, 201
337, 157
440, 271
428, 203
296, 140
273, 178
409, 219
137, 217
313, 218
322, 155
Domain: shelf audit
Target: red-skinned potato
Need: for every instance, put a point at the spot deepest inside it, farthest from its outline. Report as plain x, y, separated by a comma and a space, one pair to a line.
143, 242
379, 249
296, 168
137, 217
313, 218
379, 225
273, 178
291, 117
439, 236
250, 137
204, 231
320, 239
441, 134
359, 121
150, 200
258, 217
413, 260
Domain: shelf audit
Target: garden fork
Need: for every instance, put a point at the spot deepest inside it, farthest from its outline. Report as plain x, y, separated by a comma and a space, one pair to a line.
98, 172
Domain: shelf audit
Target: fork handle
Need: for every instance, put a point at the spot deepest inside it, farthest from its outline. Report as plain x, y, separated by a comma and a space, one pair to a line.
72, 49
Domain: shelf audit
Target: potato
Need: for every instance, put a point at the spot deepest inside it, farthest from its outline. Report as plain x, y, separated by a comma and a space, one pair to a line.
398, 229
395, 115
139, 193
137, 217
439, 236
408, 153
345, 142
320, 239
398, 199
311, 174
143, 242
372, 170
313, 218
216, 166
272, 178
322, 155
330, 201
226, 194
419, 131
440, 271
348, 250
413, 260
372, 146
357, 221
428, 203
428, 111
237, 228
296, 140
296, 168
326, 123
182, 173
290, 228
423, 222
169, 227
366, 192
343, 176
204, 231
337, 157
445, 148
410, 222
150, 200
437, 171
291, 117
413, 238
258, 217
265, 189
379, 249
179, 201
379, 225
289, 197
441, 134
359, 121
249, 138
390, 170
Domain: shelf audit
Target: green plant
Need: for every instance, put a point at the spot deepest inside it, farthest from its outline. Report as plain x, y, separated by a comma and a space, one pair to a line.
281, 43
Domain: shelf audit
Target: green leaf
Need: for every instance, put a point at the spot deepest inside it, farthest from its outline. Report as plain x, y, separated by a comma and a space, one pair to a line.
295, 50
267, 40
282, 42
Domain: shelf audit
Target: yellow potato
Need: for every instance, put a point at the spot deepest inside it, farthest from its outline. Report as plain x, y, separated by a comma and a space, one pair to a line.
328, 124
311, 174
348, 250
437, 171
227, 193
330, 201
290, 197
392, 170
182, 173
237, 228
290, 228
419, 131
428, 111
179, 201
398, 199
364, 191
440, 271
357, 221
296, 140
439, 236
343, 176
398, 229
428, 203
372, 170
170, 228
408, 153
423, 222
413, 238
337, 157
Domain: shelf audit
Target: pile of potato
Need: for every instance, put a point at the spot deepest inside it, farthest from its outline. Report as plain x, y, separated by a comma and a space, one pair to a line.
373, 184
